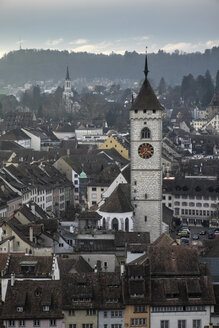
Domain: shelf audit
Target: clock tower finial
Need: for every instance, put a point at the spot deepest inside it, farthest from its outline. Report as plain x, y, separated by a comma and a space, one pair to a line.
146, 71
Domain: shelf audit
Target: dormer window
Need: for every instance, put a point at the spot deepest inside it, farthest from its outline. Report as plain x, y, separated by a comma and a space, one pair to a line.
145, 133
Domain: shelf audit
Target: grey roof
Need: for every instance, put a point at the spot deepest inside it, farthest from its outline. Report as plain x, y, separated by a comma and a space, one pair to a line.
146, 98
119, 201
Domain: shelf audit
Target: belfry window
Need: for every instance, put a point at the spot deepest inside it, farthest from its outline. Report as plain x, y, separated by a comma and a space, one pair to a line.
145, 133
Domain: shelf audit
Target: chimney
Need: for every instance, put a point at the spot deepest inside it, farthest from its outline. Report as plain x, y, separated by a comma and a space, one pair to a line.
122, 269
31, 234
12, 279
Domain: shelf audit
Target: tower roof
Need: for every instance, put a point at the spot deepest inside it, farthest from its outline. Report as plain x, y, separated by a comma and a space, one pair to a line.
67, 74
146, 98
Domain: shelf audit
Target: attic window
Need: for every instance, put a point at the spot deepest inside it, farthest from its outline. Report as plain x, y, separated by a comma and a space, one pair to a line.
45, 308
28, 266
81, 300
136, 110
37, 292
20, 309
112, 300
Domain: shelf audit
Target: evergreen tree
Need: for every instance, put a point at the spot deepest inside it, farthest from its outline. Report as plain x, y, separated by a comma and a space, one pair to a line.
209, 90
188, 89
217, 82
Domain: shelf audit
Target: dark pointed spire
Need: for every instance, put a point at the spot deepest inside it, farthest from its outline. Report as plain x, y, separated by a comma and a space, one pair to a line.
146, 71
67, 74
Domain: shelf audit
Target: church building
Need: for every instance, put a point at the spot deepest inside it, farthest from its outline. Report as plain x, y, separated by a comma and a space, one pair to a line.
146, 169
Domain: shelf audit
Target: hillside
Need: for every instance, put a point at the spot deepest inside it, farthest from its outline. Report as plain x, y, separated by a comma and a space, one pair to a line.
38, 65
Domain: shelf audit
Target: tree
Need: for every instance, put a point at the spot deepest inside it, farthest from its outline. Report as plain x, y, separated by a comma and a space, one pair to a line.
188, 89
209, 90
217, 82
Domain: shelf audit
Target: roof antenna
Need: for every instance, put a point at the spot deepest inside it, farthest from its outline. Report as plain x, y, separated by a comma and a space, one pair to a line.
146, 71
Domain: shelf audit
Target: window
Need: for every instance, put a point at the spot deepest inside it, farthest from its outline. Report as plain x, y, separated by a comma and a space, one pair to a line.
87, 325
116, 326
94, 203
45, 308
11, 323
72, 325
199, 204
184, 203
21, 323
181, 323
102, 189
75, 182
206, 205
20, 309
136, 110
105, 314
91, 312
105, 326
71, 312
196, 323
94, 189
140, 308
53, 322
145, 133
36, 323
145, 218
116, 314
76, 189
164, 324
177, 203
138, 322
154, 111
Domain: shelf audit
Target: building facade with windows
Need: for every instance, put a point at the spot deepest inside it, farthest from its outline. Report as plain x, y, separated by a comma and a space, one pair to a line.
193, 200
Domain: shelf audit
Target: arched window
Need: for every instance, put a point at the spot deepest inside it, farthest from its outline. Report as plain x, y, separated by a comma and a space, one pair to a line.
145, 133
115, 224
127, 225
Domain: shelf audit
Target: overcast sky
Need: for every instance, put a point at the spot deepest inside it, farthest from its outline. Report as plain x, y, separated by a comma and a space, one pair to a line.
103, 26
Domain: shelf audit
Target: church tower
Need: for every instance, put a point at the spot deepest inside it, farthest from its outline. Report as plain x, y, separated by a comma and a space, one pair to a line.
146, 170
67, 93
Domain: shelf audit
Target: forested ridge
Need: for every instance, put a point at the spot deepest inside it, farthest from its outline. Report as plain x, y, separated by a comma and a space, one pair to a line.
39, 65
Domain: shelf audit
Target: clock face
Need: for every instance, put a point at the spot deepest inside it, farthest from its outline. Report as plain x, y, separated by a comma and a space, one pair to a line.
145, 150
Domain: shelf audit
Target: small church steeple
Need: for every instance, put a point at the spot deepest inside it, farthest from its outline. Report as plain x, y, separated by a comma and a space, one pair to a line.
146, 71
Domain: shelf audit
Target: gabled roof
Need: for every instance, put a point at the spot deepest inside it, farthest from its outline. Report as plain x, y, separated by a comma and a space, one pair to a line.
163, 240
173, 260
32, 295
146, 98
119, 201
